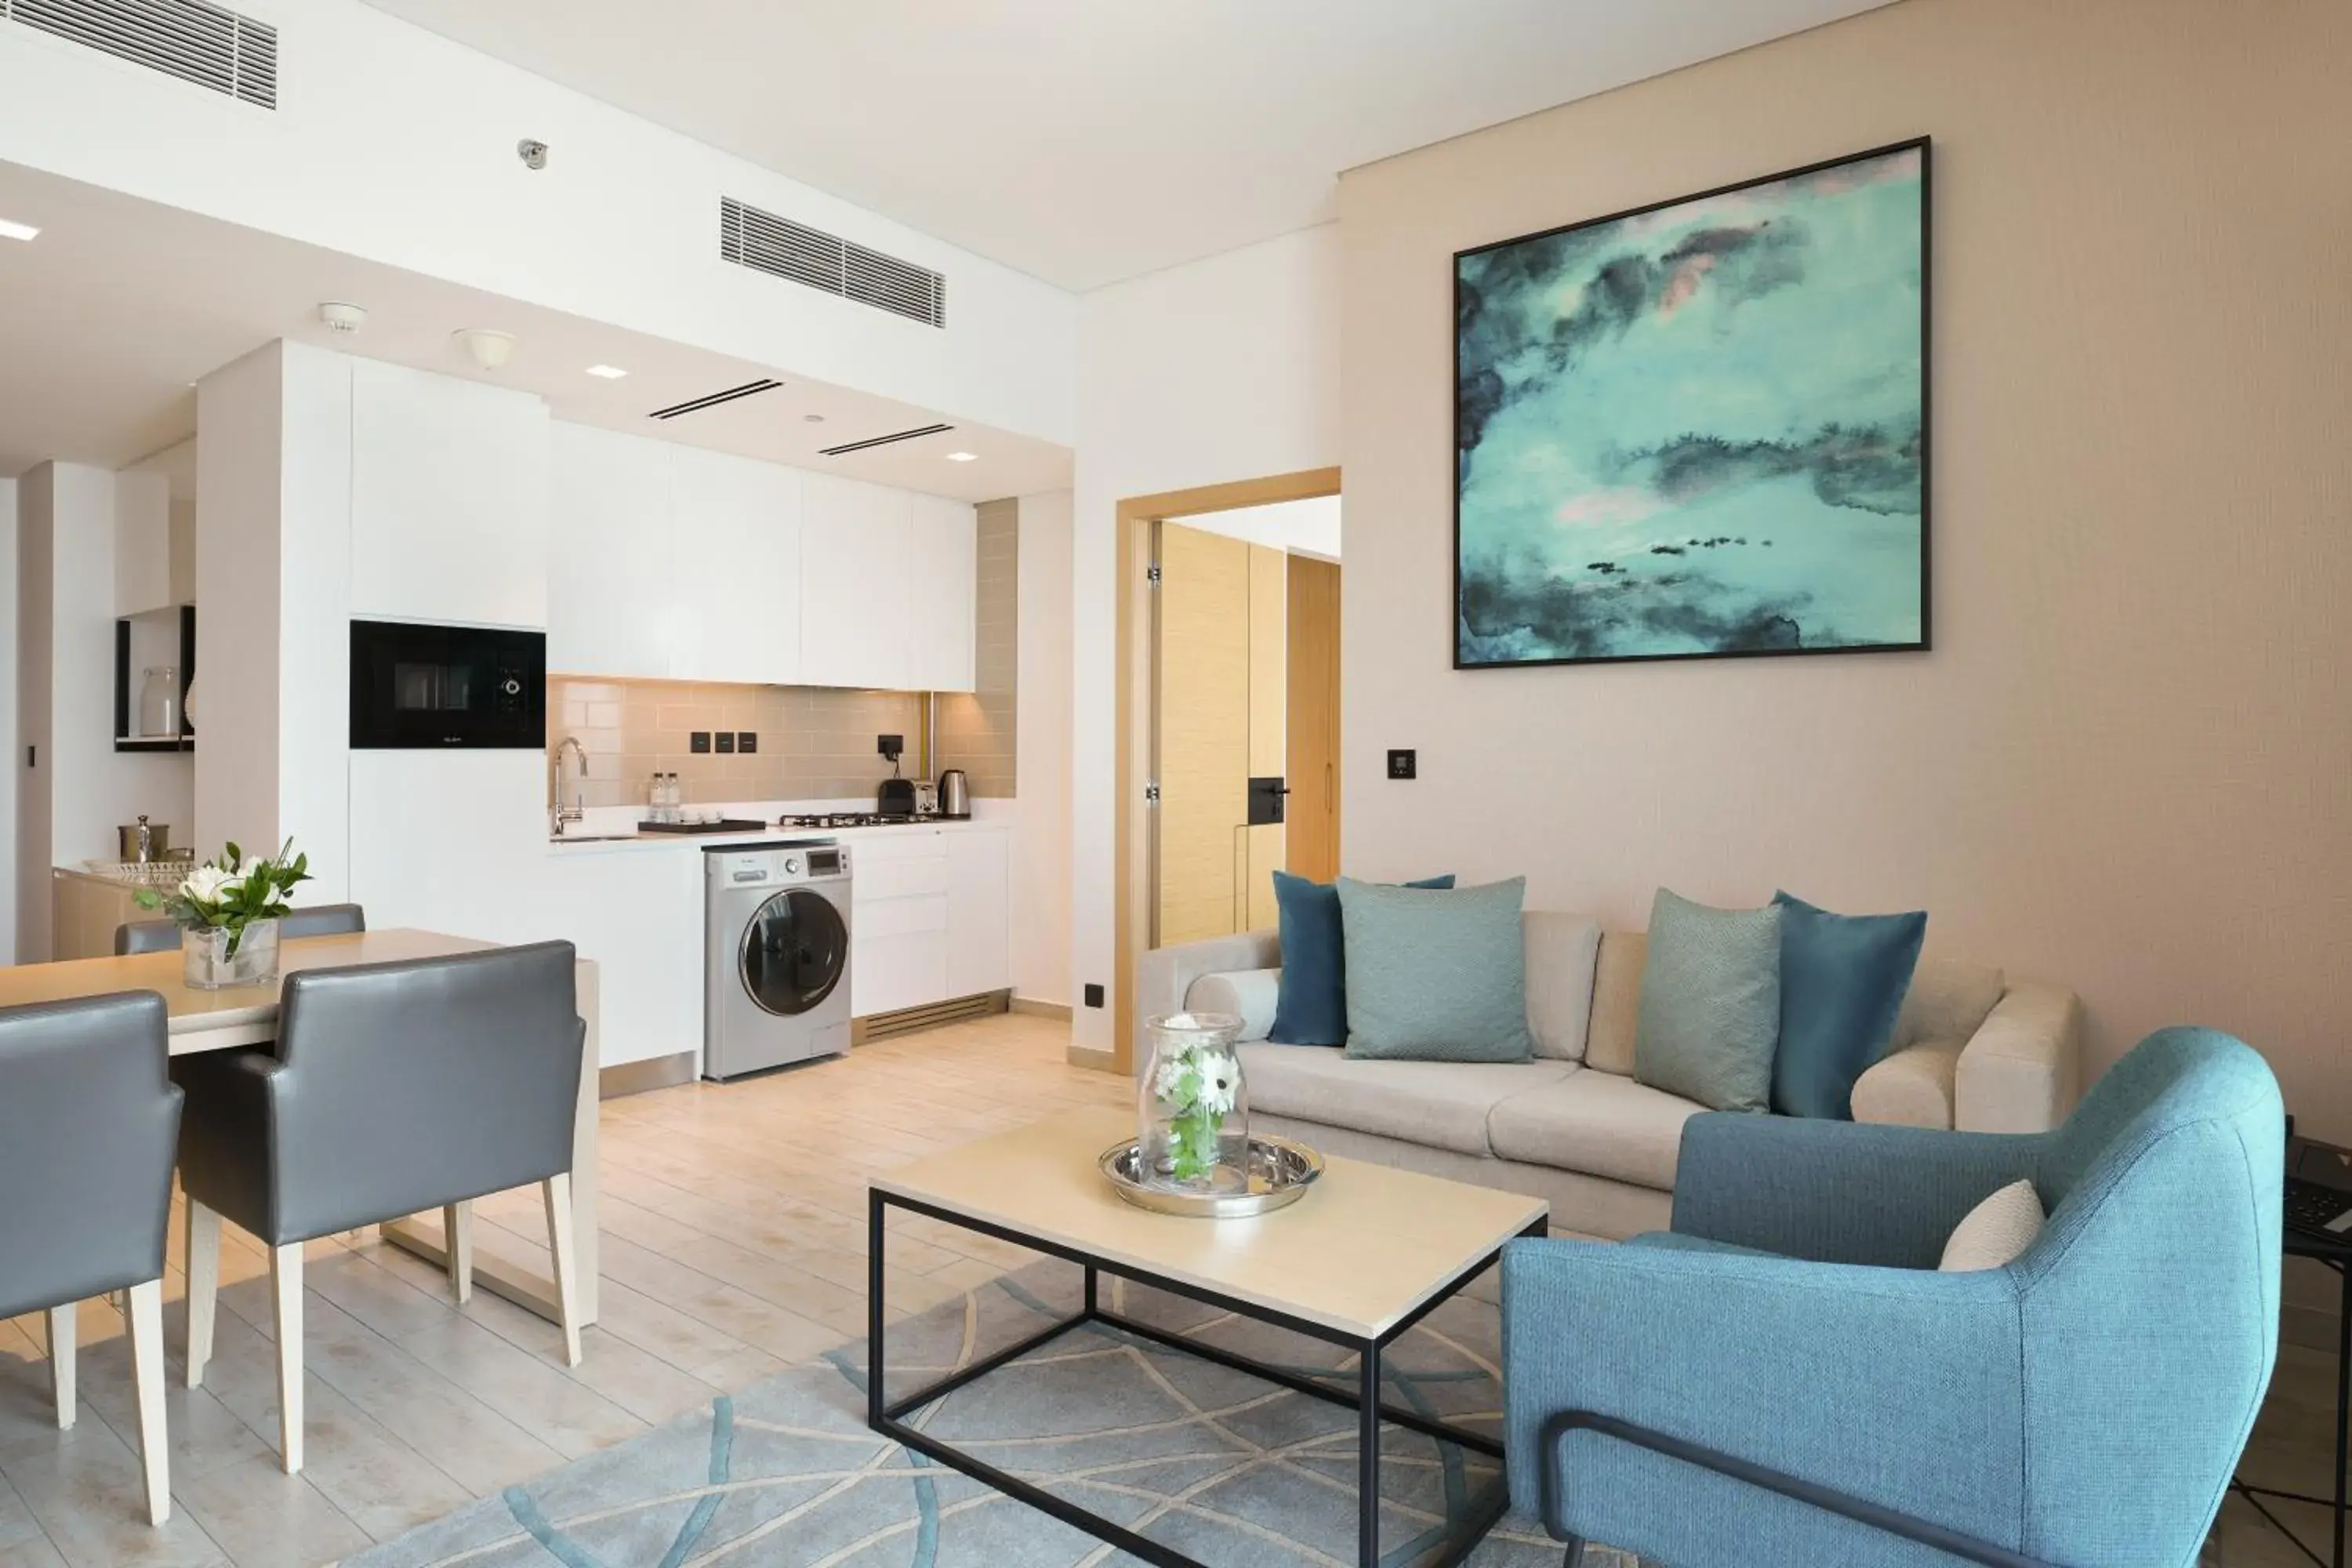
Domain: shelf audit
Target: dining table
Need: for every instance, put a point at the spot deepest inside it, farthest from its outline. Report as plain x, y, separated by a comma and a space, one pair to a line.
244, 1015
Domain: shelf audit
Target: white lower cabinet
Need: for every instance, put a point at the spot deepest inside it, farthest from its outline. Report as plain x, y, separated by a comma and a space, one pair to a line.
927, 917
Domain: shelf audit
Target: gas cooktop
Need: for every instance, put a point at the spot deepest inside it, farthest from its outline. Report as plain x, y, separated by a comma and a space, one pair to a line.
848, 819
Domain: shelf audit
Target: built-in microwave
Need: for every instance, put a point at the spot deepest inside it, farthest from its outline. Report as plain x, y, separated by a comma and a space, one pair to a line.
448, 687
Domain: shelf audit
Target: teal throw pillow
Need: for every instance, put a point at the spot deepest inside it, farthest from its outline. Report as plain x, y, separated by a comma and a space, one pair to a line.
1436, 976
1310, 1005
1711, 1004
1843, 981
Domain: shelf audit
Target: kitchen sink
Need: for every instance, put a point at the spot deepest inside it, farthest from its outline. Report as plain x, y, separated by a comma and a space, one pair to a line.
589, 837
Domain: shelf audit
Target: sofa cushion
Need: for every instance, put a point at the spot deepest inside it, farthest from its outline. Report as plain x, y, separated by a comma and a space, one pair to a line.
1616, 1002
1443, 1105
1436, 976
1597, 1122
1249, 995
1561, 953
1710, 1003
1313, 1009
1843, 981
1948, 1000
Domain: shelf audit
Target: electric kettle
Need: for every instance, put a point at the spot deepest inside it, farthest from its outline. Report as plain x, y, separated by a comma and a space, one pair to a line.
955, 795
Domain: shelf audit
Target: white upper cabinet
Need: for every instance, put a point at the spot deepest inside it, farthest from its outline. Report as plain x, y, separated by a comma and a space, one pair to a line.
942, 562
449, 499
143, 544
735, 527
854, 569
613, 578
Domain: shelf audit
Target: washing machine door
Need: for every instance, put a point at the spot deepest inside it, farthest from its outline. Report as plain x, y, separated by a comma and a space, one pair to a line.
795, 951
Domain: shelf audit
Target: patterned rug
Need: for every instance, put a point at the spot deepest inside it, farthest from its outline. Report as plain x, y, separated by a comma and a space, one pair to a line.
1223, 1466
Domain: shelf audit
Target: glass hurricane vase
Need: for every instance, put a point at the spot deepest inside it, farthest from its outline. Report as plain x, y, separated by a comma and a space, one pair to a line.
1192, 1105
207, 965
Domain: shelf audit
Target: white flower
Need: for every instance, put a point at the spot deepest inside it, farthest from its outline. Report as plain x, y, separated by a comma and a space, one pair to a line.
204, 883
1221, 1078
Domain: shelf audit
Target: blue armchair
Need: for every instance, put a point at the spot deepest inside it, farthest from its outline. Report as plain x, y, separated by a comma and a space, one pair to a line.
1784, 1378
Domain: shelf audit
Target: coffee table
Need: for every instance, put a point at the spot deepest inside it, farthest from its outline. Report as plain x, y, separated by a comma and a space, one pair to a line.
1366, 1254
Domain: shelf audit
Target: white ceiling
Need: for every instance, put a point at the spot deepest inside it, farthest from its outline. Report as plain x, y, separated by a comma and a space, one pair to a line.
1087, 141
109, 316
1311, 526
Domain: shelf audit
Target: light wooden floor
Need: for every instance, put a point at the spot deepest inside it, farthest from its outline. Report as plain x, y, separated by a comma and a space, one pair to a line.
734, 1244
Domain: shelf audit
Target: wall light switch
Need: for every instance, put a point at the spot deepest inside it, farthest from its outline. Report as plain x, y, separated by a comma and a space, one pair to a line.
699, 741
747, 742
726, 742
1404, 764
1093, 996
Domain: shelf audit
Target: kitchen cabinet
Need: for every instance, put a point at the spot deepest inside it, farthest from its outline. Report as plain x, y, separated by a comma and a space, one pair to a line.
736, 526
980, 904
143, 539
942, 586
613, 580
855, 565
899, 920
449, 499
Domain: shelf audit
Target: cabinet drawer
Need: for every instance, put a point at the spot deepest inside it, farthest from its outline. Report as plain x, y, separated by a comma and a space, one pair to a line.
899, 917
888, 881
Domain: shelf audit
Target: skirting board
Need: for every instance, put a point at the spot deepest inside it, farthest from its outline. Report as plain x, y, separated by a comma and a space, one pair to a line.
1059, 1011
1092, 1060
637, 1077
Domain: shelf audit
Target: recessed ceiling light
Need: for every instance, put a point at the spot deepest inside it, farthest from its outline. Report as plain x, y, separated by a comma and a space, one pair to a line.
609, 372
963, 456
16, 230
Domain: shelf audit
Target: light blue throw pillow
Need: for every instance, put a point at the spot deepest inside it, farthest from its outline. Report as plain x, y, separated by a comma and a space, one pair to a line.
1842, 980
1311, 1007
1711, 1004
1436, 976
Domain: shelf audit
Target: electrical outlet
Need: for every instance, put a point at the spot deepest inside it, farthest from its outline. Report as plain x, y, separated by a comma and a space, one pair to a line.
890, 746
747, 742
1093, 996
699, 741
726, 742
1404, 764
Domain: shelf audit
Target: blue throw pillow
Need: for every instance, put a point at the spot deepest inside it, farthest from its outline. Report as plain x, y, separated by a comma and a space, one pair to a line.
1842, 980
1311, 1007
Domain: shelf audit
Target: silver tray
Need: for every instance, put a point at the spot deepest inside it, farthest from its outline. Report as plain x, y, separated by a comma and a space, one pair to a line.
1280, 1172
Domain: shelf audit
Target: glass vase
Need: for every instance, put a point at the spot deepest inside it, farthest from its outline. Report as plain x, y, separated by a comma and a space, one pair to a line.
1192, 1105
207, 965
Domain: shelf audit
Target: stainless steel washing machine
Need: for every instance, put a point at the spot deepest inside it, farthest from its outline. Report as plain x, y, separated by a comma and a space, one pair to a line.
776, 955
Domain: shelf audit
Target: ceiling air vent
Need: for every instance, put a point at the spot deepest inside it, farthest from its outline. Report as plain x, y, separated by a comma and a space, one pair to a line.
778, 245
919, 431
712, 400
186, 38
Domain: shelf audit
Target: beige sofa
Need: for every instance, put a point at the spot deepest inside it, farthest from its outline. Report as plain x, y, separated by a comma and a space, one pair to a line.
1971, 1051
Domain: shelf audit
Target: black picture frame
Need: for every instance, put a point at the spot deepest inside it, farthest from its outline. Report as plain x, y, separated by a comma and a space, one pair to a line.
1924, 145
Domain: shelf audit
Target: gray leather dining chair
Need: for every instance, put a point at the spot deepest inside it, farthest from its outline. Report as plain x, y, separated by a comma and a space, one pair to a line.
320, 920
391, 1089
89, 1120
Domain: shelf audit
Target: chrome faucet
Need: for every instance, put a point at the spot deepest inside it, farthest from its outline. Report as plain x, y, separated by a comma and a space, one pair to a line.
559, 814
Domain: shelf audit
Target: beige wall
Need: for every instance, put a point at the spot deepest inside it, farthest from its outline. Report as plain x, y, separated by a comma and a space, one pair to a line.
2125, 764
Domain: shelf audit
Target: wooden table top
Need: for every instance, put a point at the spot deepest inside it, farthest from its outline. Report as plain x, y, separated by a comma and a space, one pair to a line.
1366, 1245
208, 1020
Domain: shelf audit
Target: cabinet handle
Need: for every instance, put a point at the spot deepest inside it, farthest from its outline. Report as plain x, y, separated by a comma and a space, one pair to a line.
1330, 794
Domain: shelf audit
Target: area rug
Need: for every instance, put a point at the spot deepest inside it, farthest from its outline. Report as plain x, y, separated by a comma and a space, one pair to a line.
1223, 1466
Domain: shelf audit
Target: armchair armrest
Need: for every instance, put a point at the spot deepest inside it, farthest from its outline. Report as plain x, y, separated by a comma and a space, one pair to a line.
229, 1134
1895, 1388
1166, 974
1838, 1192
2023, 1071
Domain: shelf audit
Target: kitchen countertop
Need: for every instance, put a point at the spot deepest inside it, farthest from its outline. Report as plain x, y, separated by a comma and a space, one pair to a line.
995, 817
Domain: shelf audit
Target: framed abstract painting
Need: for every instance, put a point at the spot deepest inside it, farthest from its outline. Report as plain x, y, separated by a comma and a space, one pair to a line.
1699, 428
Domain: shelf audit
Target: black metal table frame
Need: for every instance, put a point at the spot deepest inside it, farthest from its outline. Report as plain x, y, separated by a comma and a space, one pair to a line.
886, 1415
2336, 1256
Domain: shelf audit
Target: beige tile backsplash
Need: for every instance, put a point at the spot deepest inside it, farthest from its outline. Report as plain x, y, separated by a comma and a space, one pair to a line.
815, 742
975, 729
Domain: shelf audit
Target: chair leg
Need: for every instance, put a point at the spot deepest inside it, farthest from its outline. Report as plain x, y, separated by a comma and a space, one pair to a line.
147, 1372
61, 1361
458, 1242
1575, 1553
203, 1286
557, 1190
285, 1288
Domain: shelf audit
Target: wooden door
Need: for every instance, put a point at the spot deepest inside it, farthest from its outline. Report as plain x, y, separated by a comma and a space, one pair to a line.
1314, 719
1204, 731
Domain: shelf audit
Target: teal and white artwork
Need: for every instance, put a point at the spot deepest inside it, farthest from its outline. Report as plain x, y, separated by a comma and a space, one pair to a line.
1699, 428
